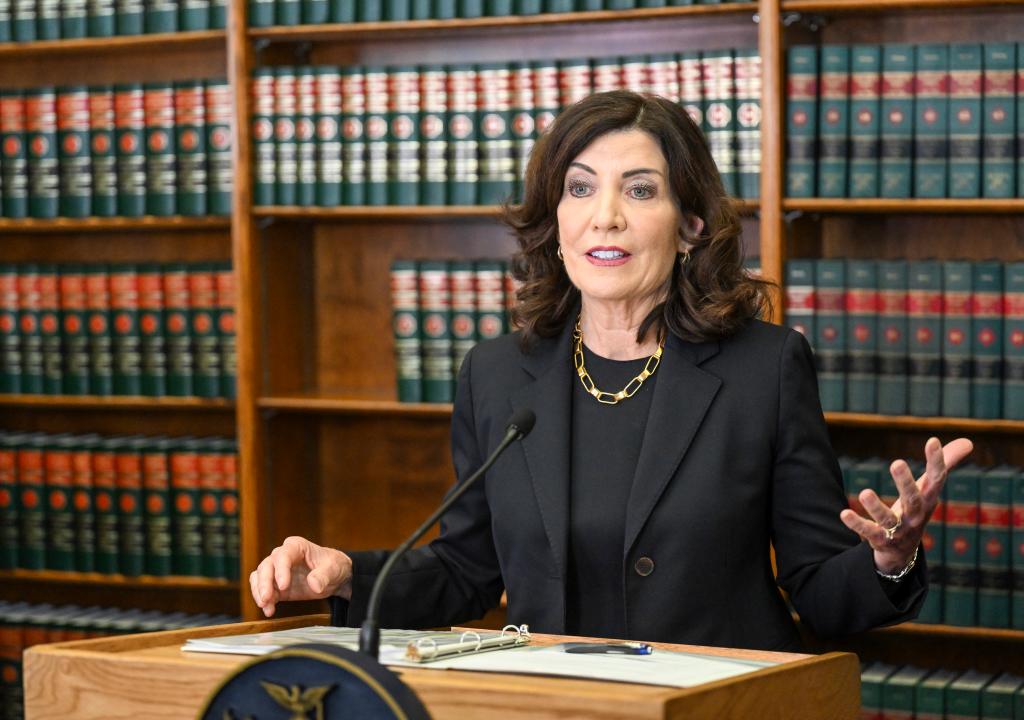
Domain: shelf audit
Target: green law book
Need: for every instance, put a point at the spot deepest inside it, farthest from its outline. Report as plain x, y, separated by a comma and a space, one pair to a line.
101, 20
186, 521
353, 135
1020, 120
619, 4
28, 326
800, 297
422, 10
897, 119
559, 6
228, 450
327, 120
433, 129
872, 681
194, 15
528, 7
152, 345
999, 119
933, 542
497, 164
342, 11
931, 124
994, 510
224, 281
720, 113
865, 108
963, 696
405, 325
830, 333
1013, 341
446, 9
160, 16
49, 329
463, 137
801, 119
305, 136
1017, 549
129, 17
32, 501
376, 129
84, 503
956, 338
10, 337
126, 335
960, 596
636, 73
930, 694
748, 122
898, 692
41, 139
73, 19
5, 37
261, 14
370, 10
74, 157
492, 320
10, 537
161, 150
924, 319
212, 520
577, 78
833, 121
23, 20
862, 335
435, 321
48, 19
104, 478
130, 518
218, 14
156, 484
403, 136
470, 8
13, 155
219, 173
286, 176
997, 698
524, 124
202, 320
987, 334
546, 99
496, 8
103, 150
892, 338
98, 320
288, 12
864, 475
190, 140
965, 120
464, 313
263, 147
130, 136
177, 331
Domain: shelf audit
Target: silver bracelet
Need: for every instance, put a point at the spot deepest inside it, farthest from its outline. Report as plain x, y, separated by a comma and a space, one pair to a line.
896, 577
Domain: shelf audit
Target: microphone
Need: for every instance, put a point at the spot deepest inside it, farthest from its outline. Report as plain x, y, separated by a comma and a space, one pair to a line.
518, 427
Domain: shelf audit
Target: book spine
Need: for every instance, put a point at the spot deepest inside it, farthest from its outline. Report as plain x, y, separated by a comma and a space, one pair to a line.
353, 134
129, 17
218, 14
748, 122
10, 536
186, 522
104, 478
999, 120
497, 163
933, 542
202, 298
1013, 341
13, 155
1020, 119
219, 173
49, 330
403, 138
194, 15
893, 344
156, 479
41, 126
126, 336
833, 121
965, 121
720, 113
10, 337
464, 313
801, 120
545, 84
73, 18
315, 12
470, 8
160, 16
406, 328
664, 69
370, 10
102, 150
305, 137
128, 470
229, 508
101, 361
800, 300
576, 80
492, 320
862, 335
987, 334
897, 119
84, 504
434, 135
263, 149
956, 338
48, 19
528, 7
60, 530
931, 125
865, 105
924, 319
286, 174
862, 476
101, 20
524, 126
329, 162
32, 503
152, 345
830, 333
1017, 550
192, 185
376, 129
224, 280
74, 158
211, 491
463, 139
177, 335
634, 74
691, 87
261, 13
960, 601
994, 495
435, 320
28, 326
23, 20
130, 123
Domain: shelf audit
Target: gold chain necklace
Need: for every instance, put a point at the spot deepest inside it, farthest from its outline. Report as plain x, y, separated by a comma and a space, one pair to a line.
588, 382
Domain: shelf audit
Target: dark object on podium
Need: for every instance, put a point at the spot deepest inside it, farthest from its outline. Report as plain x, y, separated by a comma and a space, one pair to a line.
314, 681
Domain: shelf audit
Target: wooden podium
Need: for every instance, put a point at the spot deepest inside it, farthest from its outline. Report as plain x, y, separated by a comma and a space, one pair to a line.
148, 676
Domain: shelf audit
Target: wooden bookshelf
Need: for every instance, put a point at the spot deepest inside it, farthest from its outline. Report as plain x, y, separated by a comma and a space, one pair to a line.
908, 422
354, 406
114, 224
179, 582
117, 402
869, 6
911, 206
121, 44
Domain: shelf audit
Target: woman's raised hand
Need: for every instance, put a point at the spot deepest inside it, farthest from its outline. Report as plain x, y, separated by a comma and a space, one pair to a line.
300, 570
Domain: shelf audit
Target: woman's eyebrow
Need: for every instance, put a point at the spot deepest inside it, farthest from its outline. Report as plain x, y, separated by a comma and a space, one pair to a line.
627, 174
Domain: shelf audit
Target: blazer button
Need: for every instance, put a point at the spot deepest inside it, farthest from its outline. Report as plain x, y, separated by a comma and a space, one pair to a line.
644, 566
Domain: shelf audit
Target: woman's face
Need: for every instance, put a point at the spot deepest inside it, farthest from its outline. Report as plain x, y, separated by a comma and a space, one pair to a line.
618, 221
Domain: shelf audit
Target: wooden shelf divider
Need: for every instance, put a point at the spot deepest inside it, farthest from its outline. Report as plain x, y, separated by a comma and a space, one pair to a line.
94, 46
909, 422
57, 577
861, 6
114, 224
909, 206
309, 403
117, 402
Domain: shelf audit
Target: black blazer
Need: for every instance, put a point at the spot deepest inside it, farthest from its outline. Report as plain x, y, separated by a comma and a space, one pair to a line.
735, 456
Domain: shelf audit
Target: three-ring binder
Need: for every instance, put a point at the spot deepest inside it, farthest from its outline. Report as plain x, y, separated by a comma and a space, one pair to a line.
438, 647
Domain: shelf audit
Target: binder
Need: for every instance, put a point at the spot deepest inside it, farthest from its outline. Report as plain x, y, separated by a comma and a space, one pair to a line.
439, 647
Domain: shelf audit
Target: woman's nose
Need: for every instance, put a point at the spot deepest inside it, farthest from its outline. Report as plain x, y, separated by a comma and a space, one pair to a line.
608, 212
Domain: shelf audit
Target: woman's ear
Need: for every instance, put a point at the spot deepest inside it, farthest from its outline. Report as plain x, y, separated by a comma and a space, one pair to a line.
690, 230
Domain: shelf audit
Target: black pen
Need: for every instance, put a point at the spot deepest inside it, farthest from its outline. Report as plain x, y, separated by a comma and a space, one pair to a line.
625, 648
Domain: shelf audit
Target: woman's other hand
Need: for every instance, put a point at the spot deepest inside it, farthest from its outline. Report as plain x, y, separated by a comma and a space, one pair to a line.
300, 570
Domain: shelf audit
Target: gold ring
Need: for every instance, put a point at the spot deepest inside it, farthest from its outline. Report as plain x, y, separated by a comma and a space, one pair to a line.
890, 532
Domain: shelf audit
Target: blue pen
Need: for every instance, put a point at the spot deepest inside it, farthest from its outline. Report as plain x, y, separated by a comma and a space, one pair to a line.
624, 648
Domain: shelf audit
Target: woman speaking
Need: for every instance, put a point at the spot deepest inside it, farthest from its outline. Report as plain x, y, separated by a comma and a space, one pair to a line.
678, 438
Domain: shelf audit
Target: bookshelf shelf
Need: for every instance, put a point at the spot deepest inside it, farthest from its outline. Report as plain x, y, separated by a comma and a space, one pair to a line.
309, 403
907, 422
953, 633
97, 402
96, 224
55, 577
861, 6
94, 46
413, 29
905, 207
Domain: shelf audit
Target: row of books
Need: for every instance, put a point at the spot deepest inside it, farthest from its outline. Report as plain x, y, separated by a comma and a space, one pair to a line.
116, 150
462, 134
974, 541
920, 337
264, 13
23, 625
890, 691
128, 505
119, 329
900, 121
30, 20
440, 310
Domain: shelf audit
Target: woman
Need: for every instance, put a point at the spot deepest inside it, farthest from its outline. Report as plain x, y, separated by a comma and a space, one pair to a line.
677, 437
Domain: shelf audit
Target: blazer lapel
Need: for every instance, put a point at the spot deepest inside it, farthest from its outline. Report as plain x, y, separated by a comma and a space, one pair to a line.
547, 446
682, 395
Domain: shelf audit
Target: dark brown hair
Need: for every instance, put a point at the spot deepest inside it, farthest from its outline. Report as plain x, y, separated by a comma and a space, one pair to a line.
709, 297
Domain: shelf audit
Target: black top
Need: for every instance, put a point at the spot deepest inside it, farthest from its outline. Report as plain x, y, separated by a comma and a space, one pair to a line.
606, 442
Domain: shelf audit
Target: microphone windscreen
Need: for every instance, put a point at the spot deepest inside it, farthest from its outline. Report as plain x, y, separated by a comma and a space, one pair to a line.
522, 421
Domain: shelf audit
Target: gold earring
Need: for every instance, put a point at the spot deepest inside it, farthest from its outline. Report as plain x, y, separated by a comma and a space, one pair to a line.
684, 257
559, 253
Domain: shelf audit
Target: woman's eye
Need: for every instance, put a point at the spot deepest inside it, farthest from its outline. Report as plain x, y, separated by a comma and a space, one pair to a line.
578, 189
641, 192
